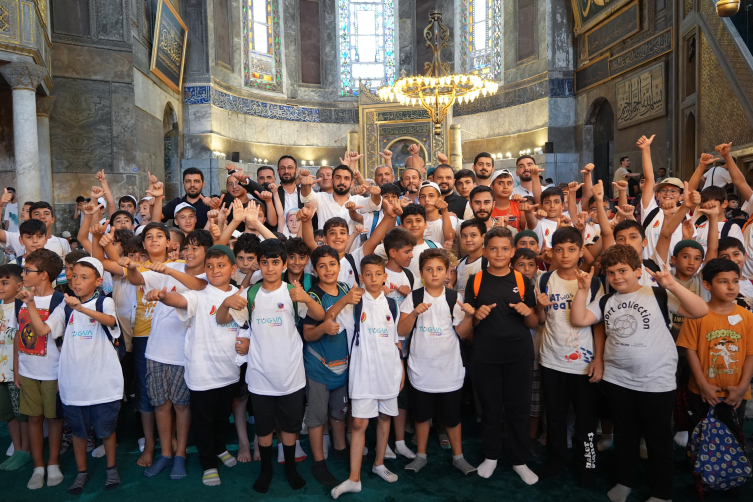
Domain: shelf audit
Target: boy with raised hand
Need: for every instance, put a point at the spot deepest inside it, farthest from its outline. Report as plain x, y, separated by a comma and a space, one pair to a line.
439, 227
472, 239
434, 318
668, 193
11, 283
325, 358
210, 354
376, 374
719, 348
640, 361
570, 359
503, 359
413, 219
184, 216
505, 202
90, 378
38, 361
552, 201
275, 376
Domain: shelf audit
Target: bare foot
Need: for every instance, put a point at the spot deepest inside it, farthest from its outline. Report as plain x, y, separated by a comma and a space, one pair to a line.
244, 453
146, 458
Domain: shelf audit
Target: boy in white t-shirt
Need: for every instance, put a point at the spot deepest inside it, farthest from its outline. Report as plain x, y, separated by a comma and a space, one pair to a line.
90, 379
376, 375
472, 238
211, 372
552, 201
640, 361
434, 318
165, 356
38, 360
275, 376
734, 250
413, 219
570, 360
439, 227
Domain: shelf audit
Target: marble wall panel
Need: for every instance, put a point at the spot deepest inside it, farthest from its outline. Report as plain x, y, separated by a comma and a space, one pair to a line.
124, 145
91, 63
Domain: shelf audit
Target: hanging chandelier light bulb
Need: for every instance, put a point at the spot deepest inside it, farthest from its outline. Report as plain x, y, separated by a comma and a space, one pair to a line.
437, 90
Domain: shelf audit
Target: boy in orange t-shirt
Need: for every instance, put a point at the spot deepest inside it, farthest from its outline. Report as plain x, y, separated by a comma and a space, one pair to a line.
505, 203
718, 350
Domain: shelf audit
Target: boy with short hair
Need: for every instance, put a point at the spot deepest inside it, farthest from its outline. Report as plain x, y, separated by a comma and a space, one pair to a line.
376, 375
245, 250
210, 357
90, 379
439, 227
275, 377
413, 219
701, 221
472, 240
719, 350
38, 361
11, 283
503, 359
734, 250
32, 235
640, 360
570, 359
552, 201
434, 319
505, 204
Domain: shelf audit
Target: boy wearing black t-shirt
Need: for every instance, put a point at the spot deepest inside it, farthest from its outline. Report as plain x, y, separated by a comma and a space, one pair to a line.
503, 359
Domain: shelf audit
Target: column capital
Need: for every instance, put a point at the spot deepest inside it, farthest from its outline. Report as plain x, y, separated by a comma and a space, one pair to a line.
23, 76
44, 106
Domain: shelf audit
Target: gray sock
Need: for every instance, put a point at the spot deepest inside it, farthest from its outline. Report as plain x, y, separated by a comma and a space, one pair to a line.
78, 486
113, 478
418, 463
462, 464
619, 493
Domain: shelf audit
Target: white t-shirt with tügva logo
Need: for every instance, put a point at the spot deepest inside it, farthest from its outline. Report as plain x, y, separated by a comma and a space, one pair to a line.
434, 363
275, 353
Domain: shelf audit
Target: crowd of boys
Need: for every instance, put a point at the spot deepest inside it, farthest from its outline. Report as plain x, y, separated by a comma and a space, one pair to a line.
320, 311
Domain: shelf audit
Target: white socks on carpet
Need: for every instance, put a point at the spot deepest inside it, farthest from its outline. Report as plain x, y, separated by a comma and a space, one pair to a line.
486, 469
99, 451
10, 450
619, 493
346, 486
389, 454
526, 474
300, 455
681, 438
54, 476
37, 479
402, 449
384, 473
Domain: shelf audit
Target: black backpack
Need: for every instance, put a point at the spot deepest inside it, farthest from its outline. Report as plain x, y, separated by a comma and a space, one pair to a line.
358, 309
352, 262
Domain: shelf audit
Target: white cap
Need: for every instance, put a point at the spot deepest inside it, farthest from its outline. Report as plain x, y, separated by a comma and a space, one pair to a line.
102, 201
132, 198
430, 184
66, 235
236, 234
149, 197
95, 262
139, 230
183, 205
500, 172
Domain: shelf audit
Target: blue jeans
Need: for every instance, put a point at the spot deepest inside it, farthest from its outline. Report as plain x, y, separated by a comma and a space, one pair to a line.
143, 403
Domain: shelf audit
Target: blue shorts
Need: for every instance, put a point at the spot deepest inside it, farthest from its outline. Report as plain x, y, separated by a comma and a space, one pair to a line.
143, 403
102, 417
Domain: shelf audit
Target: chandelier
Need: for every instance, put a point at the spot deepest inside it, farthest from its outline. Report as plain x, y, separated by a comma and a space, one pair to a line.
437, 90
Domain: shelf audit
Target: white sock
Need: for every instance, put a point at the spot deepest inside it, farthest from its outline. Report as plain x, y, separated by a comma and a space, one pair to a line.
526, 474
325, 445
681, 438
346, 486
388, 453
99, 451
54, 476
37, 479
211, 478
227, 459
486, 469
618, 493
365, 450
402, 449
142, 442
384, 473
299, 453
280, 454
10, 450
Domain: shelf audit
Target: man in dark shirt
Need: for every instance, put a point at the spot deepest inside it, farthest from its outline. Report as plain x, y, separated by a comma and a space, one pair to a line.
193, 184
503, 353
444, 176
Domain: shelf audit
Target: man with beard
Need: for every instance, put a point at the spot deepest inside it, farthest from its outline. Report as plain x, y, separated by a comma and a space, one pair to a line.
483, 166
444, 176
523, 164
383, 173
331, 205
482, 205
193, 184
411, 181
265, 175
240, 186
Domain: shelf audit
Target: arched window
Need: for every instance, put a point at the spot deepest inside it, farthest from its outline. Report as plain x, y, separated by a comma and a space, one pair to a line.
481, 38
262, 60
367, 44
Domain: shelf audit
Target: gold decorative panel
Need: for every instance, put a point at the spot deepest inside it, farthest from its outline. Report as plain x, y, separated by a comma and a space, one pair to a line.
9, 21
721, 116
688, 7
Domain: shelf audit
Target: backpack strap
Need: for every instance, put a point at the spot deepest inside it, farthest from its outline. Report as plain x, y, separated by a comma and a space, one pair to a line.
728, 226
393, 309
661, 298
418, 298
306, 281
252, 292
352, 262
521, 285
19, 305
408, 274
374, 222
650, 217
543, 281
603, 301
431, 244
452, 299
295, 305
484, 263
595, 284
357, 309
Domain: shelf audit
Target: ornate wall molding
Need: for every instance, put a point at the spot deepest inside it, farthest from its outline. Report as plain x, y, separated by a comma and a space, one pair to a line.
44, 106
23, 76
532, 89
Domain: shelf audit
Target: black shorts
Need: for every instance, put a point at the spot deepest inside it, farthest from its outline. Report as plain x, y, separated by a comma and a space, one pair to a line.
241, 388
283, 412
446, 404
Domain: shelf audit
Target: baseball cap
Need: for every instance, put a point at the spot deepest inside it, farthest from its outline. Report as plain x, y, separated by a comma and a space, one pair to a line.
430, 171
676, 182
95, 263
102, 201
228, 252
431, 184
184, 205
132, 198
499, 172
66, 235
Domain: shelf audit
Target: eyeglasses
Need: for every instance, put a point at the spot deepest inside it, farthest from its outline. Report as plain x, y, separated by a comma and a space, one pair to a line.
233, 185
670, 191
30, 271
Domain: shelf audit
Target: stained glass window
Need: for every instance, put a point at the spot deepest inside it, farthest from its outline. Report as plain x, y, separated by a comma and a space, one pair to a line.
481, 38
367, 44
262, 60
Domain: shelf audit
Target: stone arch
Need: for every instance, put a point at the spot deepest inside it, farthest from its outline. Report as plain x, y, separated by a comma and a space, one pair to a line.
598, 140
689, 147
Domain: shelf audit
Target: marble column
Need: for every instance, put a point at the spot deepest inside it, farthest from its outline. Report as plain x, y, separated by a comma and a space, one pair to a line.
44, 107
456, 147
353, 146
24, 80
